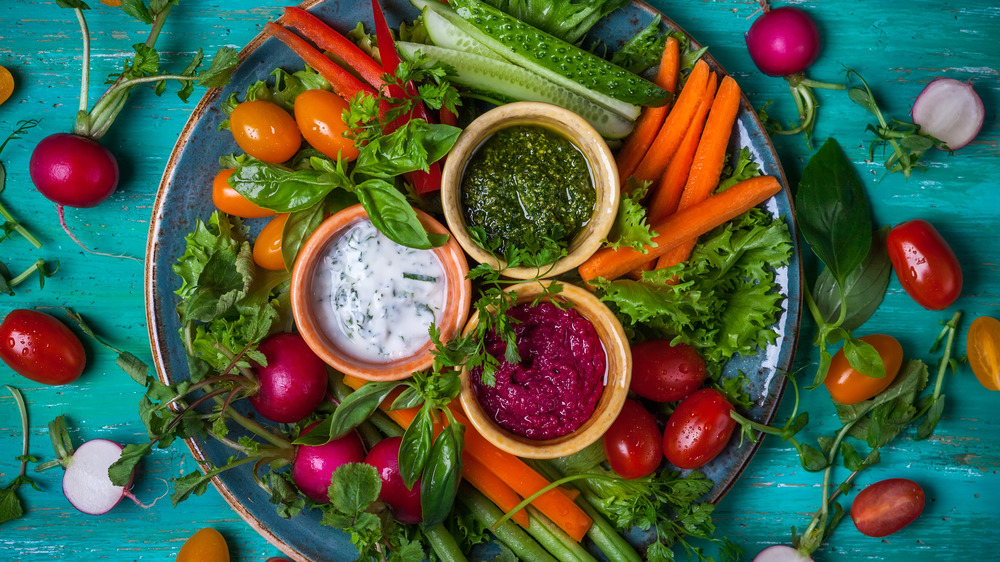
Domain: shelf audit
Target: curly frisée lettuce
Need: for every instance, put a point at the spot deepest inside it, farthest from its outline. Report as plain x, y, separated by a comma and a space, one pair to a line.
226, 304
723, 300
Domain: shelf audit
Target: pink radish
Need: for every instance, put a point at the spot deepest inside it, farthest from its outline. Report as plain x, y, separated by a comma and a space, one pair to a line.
781, 553
785, 42
293, 383
313, 465
86, 483
404, 502
950, 111
73, 170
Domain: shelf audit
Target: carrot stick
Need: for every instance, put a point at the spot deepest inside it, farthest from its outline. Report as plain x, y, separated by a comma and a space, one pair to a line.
328, 39
612, 263
665, 144
493, 487
651, 119
667, 195
708, 161
512, 470
344, 83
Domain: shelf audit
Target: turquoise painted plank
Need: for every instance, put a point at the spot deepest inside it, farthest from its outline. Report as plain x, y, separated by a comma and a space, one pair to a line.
898, 50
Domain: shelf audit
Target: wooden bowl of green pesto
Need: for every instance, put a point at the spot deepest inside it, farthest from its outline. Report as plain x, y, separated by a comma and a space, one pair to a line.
530, 179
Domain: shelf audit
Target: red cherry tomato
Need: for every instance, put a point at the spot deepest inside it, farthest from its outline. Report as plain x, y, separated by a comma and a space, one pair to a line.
40, 347
847, 385
699, 429
664, 372
265, 131
228, 200
982, 344
633, 444
925, 264
887, 506
319, 115
267, 247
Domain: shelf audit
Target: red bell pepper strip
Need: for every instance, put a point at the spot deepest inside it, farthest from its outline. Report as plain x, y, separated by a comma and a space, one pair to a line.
328, 39
423, 182
345, 84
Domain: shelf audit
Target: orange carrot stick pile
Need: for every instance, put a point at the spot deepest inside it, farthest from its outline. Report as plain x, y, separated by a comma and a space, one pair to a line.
678, 228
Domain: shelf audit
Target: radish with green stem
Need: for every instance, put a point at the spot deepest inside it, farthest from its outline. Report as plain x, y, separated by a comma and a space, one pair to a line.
785, 42
293, 383
74, 169
86, 483
313, 465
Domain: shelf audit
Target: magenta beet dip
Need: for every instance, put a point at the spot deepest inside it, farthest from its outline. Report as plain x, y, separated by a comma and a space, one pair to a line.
556, 386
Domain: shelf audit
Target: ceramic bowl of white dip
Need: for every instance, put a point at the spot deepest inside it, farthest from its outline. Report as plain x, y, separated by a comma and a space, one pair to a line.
365, 304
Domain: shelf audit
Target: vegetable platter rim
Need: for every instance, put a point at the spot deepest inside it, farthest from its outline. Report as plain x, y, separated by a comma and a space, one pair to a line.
182, 197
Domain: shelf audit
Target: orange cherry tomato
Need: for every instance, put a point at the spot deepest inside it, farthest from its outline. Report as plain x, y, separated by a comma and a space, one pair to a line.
207, 545
267, 247
982, 344
265, 131
6, 84
319, 115
849, 386
228, 200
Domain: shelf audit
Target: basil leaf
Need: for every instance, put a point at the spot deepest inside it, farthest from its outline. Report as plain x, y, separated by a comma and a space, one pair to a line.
412, 147
863, 357
301, 224
416, 446
442, 475
832, 211
409, 398
349, 414
864, 287
279, 189
393, 216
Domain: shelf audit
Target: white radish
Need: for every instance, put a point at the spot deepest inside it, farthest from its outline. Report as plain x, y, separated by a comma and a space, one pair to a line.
781, 553
950, 111
86, 483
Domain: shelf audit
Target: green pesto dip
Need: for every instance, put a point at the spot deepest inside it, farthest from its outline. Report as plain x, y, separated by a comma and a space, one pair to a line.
528, 183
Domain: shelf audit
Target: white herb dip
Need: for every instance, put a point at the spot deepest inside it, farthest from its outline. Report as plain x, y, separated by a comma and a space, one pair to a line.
375, 298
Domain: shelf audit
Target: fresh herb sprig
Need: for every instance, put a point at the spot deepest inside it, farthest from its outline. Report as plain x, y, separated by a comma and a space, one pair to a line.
142, 68
10, 503
908, 144
875, 422
11, 225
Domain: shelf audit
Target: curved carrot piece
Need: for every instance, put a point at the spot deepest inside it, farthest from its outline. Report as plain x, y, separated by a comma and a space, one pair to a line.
344, 83
329, 39
651, 119
494, 488
667, 195
662, 150
692, 222
708, 160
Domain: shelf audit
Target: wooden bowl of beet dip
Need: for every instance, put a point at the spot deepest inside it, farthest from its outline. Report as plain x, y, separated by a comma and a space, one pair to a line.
570, 384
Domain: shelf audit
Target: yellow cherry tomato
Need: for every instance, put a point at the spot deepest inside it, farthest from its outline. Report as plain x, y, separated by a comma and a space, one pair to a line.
265, 131
267, 247
6, 84
847, 385
207, 545
319, 115
982, 344
228, 200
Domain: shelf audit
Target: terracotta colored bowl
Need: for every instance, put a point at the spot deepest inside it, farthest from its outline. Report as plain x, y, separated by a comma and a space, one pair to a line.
453, 316
619, 374
604, 173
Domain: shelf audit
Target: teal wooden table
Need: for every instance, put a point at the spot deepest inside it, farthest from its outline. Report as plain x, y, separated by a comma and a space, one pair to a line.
897, 47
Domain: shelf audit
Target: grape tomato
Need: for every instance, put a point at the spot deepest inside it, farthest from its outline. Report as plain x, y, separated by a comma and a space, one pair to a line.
633, 444
847, 385
925, 264
665, 372
265, 131
982, 344
699, 429
319, 115
229, 201
40, 347
267, 247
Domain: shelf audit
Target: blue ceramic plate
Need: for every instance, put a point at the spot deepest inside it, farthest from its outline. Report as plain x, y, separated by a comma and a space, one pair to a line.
183, 198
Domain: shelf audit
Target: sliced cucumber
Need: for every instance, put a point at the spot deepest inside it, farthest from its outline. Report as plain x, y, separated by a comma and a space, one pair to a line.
510, 80
567, 65
445, 34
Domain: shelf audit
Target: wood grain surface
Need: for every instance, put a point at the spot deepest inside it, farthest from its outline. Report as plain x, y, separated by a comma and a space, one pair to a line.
898, 47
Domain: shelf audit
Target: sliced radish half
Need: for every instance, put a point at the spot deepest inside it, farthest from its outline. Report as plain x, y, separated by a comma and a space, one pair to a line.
86, 483
949, 110
781, 553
